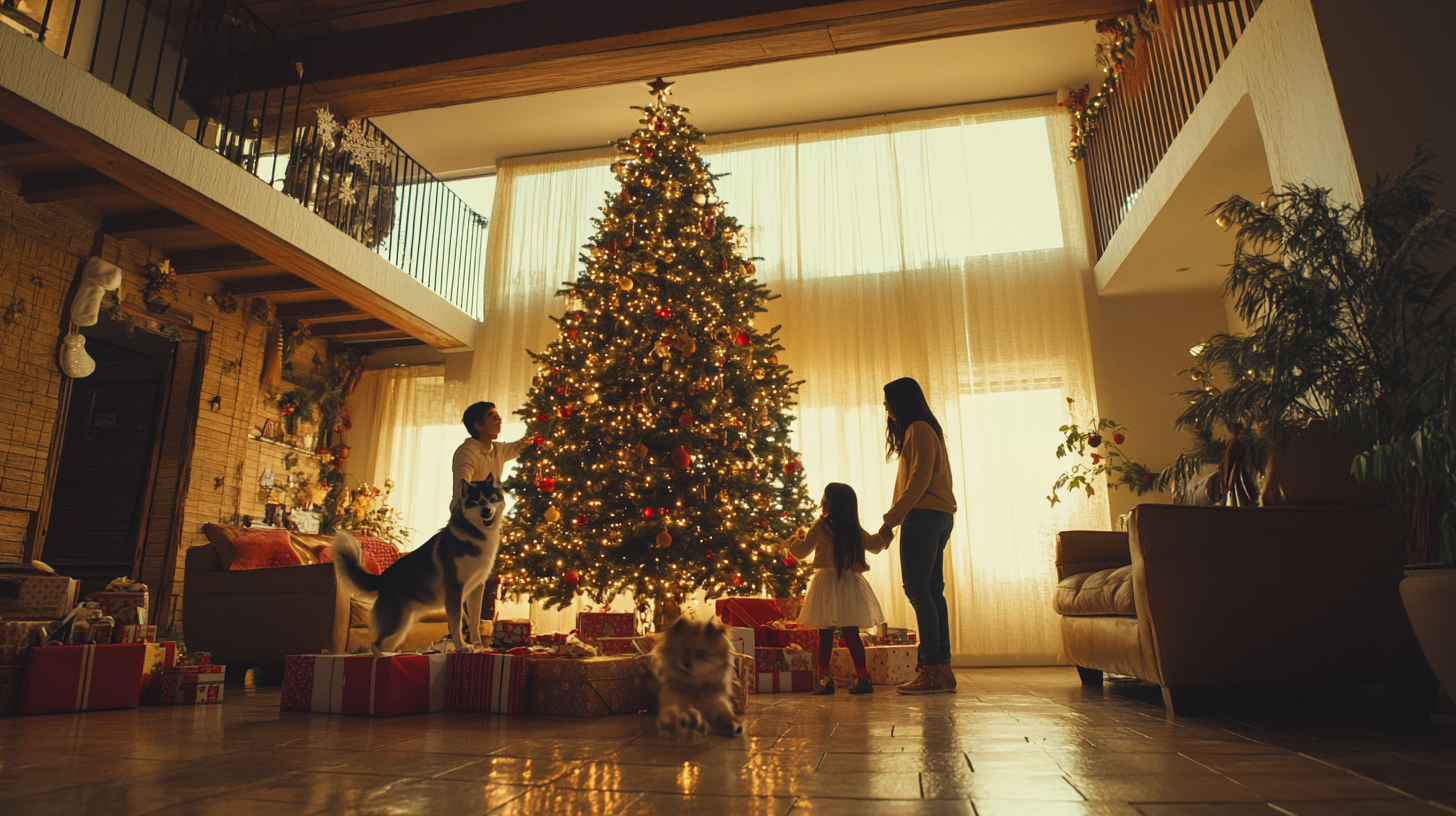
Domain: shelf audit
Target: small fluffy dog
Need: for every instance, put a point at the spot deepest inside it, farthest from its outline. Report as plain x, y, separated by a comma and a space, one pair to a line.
448, 572
694, 664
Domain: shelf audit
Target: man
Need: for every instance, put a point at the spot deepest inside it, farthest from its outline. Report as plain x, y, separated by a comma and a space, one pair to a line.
481, 454
477, 457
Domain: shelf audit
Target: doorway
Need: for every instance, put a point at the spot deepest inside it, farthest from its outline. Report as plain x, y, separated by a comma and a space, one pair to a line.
109, 454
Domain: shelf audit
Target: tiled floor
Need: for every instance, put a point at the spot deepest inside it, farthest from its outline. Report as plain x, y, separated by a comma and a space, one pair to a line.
1029, 742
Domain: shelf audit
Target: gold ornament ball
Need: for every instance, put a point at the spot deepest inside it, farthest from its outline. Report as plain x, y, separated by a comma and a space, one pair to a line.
664, 539
758, 373
591, 399
625, 283
552, 515
640, 449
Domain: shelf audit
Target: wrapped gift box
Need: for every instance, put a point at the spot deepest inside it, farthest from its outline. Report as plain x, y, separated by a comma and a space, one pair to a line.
743, 681
17, 636
770, 682
799, 659
790, 607
783, 634
135, 634
81, 678
742, 640
365, 685
126, 608
593, 626
159, 658
508, 634
625, 645
748, 611
486, 683
37, 597
590, 687
192, 685
888, 665
770, 658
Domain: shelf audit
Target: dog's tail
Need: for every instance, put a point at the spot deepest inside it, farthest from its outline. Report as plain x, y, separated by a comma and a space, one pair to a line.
348, 565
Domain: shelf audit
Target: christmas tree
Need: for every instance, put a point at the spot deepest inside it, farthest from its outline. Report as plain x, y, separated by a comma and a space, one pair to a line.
660, 415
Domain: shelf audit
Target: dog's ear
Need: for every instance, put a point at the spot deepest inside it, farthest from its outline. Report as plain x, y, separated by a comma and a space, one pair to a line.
683, 622
489, 481
715, 627
464, 488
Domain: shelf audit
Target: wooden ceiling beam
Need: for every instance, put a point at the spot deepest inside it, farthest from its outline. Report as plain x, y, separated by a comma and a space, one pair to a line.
16, 144
352, 328
541, 46
68, 186
140, 224
314, 309
219, 259
270, 285
370, 346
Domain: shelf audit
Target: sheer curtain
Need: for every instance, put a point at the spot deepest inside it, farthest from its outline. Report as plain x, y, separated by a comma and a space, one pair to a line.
946, 247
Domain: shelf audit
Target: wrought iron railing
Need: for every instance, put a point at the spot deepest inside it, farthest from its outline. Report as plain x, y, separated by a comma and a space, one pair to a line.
1140, 122
199, 64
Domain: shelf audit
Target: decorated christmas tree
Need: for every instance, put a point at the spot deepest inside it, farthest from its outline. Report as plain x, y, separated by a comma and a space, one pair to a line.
660, 414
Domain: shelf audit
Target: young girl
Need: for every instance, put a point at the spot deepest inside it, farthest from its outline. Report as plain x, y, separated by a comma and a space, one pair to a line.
839, 595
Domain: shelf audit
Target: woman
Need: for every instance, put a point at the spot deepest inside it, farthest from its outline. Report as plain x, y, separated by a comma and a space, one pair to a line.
923, 509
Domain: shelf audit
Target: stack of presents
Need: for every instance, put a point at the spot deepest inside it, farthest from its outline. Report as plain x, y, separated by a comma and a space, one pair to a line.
59, 653
603, 667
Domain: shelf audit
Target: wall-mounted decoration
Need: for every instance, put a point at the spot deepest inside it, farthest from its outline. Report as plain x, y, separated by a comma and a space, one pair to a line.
97, 278
75, 362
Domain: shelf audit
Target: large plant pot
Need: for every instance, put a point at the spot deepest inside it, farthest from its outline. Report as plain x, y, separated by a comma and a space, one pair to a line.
1430, 601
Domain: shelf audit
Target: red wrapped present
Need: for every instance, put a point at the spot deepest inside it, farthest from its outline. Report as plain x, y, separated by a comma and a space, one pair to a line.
136, 634
160, 657
590, 687
770, 682
313, 683
784, 633
192, 685
743, 681
748, 611
81, 678
486, 683
508, 634
593, 626
769, 658
625, 645
37, 597
126, 608
797, 658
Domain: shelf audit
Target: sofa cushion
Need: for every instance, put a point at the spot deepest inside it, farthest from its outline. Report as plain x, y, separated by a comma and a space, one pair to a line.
384, 552
326, 556
1105, 592
221, 536
259, 549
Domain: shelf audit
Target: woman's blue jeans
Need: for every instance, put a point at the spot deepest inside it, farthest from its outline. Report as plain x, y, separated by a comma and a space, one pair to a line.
923, 536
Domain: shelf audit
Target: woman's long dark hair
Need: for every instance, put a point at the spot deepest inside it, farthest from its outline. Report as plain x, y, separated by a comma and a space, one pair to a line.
841, 506
907, 405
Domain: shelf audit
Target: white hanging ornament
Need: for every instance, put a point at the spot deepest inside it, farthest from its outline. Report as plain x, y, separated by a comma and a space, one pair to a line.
75, 362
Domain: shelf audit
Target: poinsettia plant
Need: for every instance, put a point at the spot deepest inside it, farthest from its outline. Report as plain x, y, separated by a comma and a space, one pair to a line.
1098, 451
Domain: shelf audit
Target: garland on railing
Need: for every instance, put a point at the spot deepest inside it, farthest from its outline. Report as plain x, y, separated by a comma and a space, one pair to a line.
1113, 53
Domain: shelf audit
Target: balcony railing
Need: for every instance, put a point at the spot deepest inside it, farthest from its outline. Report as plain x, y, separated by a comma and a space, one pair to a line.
1142, 119
198, 63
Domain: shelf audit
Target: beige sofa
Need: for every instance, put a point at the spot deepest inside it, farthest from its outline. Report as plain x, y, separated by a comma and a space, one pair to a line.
1218, 596
255, 617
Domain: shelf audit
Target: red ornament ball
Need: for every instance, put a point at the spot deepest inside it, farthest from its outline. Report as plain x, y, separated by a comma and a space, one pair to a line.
681, 459
663, 312
708, 556
792, 465
571, 577
737, 579
648, 512
583, 520
542, 418
1118, 438
546, 484
571, 334
565, 410
723, 265
538, 440
742, 339
790, 561
686, 419
287, 409
649, 152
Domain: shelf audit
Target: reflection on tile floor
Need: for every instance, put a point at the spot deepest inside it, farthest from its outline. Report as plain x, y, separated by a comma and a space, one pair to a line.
1029, 742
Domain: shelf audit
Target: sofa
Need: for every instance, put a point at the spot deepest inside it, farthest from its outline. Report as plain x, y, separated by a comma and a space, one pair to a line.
253, 614
1192, 597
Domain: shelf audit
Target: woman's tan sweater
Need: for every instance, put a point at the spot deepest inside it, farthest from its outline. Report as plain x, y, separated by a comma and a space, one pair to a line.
923, 482
820, 542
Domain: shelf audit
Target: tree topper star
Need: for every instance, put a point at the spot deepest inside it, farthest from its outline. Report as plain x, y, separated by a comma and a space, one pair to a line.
660, 87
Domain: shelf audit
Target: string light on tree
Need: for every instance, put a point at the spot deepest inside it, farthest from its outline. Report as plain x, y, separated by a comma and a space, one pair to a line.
661, 413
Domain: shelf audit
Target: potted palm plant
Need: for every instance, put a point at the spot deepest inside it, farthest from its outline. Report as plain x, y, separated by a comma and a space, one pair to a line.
1354, 318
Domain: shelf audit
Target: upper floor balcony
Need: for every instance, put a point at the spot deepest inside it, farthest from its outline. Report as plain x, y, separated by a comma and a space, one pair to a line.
185, 122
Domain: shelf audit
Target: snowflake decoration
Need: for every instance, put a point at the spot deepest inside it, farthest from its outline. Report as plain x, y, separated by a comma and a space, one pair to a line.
346, 194
366, 149
327, 127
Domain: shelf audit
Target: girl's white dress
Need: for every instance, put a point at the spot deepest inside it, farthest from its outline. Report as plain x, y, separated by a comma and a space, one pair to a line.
834, 599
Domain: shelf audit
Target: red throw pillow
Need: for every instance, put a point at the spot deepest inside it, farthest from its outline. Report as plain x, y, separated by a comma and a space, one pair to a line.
262, 549
326, 556
384, 552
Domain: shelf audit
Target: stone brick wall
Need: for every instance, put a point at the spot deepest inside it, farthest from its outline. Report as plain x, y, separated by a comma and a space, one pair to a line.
42, 248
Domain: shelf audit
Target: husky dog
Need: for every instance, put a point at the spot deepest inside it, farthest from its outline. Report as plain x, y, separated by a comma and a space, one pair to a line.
448, 572
694, 663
